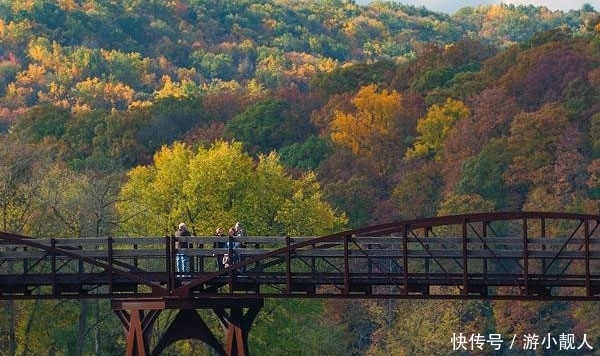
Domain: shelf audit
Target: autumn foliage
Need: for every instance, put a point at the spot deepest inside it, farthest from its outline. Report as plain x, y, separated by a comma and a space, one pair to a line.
298, 117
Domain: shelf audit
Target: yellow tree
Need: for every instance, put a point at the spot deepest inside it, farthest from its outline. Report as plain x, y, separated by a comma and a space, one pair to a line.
220, 185
173, 89
217, 185
151, 197
434, 128
373, 128
100, 94
28, 83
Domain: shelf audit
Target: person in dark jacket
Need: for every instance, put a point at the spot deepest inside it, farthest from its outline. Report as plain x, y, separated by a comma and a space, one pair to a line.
220, 233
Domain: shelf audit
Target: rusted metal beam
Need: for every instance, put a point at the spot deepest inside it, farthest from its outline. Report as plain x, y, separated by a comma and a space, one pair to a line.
138, 316
237, 324
137, 324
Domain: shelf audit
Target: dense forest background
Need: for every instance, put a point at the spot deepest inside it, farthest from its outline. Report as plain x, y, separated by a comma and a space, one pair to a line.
278, 113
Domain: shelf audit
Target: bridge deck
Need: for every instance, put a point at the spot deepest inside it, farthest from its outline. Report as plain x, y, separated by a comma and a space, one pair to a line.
496, 255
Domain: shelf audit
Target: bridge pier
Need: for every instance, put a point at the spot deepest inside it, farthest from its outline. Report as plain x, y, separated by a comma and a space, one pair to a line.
236, 316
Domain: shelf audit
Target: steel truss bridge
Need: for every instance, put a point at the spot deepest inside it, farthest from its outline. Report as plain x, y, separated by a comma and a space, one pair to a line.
503, 255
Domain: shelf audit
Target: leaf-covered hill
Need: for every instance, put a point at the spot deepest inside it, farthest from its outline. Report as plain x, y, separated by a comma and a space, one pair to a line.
373, 113
369, 97
69, 52
103, 85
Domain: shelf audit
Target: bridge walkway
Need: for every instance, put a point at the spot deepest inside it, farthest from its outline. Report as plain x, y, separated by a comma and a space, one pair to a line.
503, 255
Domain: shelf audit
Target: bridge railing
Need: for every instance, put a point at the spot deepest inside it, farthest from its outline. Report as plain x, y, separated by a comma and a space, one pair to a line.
463, 265
83, 266
450, 260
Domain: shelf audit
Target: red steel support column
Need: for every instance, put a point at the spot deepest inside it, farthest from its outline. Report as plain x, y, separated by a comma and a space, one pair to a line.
237, 326
138, 318
137, 326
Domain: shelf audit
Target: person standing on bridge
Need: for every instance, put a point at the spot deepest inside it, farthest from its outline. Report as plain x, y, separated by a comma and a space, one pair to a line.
218, 245
231, 256
238, 230
181, 246
239, 233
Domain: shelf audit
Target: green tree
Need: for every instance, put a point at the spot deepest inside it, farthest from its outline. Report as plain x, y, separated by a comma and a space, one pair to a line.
129, 68
306, 155
22, 169
348, 78
43, 121
271, 65
168, 120
594, 134
482, 174
464, 203
263, 126
214, 65
97, 93
39, 197
360, 319
277, 330
356, 196
8, 72
150, 199
19, 174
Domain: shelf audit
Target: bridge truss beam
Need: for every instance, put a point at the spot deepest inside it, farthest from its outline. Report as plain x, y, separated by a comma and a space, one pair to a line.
502, 255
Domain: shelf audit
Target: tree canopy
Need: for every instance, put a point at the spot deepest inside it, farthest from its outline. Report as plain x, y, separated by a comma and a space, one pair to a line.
220, 185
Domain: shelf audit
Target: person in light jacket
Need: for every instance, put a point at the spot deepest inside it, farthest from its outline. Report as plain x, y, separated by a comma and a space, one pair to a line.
181, 246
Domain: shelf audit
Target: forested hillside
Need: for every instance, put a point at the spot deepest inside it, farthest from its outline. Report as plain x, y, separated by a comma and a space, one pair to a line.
297, 118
